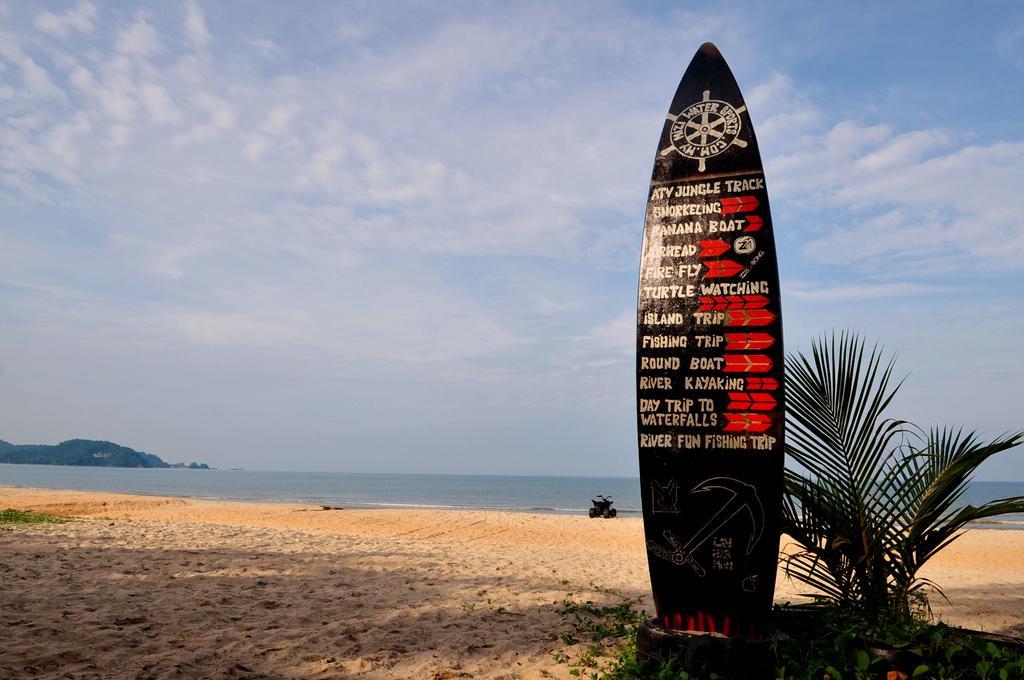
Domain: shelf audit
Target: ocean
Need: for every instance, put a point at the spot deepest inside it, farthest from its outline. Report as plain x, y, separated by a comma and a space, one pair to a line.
562, 495
558, 495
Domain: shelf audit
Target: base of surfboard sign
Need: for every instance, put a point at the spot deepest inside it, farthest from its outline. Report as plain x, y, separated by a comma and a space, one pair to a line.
701, 654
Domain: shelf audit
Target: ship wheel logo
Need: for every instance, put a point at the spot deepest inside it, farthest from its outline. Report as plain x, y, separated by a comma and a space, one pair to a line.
705, 129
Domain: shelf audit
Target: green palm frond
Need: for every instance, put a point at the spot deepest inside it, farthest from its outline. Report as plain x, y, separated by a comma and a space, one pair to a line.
879, 497
952, 457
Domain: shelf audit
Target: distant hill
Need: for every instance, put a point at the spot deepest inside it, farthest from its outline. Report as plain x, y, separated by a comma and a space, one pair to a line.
85, 452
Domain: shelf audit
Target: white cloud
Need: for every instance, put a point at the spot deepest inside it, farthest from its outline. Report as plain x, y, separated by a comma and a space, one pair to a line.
82, 18
888, 200
219, 116
824, 292
233, 330
195, 24
267, 48
339, 137
117, 92
256, 146
159, 105
279, 119
903, 150
83, 79
64, 141
960, 202
617, 336
140, 39
173, 259
322, 164
36, 80
1010, 44
118, 135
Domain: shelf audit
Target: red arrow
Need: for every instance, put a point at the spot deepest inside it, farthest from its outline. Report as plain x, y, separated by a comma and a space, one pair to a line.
762, 384
747, 363
753, 317
720, 302
739, 401
755, 401
748, 340
754, 301
713, 248
741, 302
754, 223
747, 422
722, 269
738, 204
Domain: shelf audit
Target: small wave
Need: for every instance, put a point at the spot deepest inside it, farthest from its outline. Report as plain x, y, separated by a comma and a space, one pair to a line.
425, 506
564, 511
1003, 524
544, 510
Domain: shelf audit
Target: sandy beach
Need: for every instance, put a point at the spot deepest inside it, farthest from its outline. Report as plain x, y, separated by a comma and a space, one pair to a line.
153, 587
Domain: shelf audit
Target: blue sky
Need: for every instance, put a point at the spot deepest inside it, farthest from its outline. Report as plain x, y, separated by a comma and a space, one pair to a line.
404, 237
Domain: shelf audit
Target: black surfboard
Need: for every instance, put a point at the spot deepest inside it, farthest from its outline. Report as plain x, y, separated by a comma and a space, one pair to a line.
709, 365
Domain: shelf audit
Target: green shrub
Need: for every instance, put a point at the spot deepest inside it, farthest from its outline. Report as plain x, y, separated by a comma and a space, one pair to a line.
809, 643
11, 516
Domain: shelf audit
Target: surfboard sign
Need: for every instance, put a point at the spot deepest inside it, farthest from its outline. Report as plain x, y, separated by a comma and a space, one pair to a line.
709, 365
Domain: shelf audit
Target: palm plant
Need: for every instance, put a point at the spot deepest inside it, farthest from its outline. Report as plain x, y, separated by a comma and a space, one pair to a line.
879, 497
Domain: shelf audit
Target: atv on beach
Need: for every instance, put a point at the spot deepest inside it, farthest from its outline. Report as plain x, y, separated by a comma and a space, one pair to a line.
602, 507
